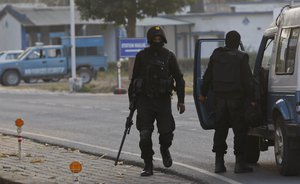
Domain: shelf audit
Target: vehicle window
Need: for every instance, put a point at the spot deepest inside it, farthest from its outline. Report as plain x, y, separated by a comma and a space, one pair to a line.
291, 54
267, 54
37, 54
285, 61
53, 53
15, 55
11, 56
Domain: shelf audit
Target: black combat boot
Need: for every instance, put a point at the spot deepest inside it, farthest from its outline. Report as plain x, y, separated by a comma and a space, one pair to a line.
240, 165
166, 156
219, 164
148, 169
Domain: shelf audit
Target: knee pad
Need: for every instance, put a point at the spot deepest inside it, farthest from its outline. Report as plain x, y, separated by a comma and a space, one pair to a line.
145, 134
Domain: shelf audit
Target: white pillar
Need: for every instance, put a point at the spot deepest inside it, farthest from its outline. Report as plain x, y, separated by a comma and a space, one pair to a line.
74, 82
73, 46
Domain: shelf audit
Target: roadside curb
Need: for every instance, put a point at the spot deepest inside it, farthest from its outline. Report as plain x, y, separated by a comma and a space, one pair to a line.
108, 157
131, 168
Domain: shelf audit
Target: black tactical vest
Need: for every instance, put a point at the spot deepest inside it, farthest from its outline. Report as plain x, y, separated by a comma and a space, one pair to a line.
158, 81
226, 70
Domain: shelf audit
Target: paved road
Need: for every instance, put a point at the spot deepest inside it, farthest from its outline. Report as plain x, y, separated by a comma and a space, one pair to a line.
95, 123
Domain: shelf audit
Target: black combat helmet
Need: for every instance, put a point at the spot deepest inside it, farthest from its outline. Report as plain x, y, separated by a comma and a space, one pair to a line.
156, 31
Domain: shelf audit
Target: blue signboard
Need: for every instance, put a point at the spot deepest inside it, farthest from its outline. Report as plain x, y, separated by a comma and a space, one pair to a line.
129, 47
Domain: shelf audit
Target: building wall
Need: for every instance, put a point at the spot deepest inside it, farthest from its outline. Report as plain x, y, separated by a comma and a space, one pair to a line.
110, 42
109, 35
261, 6
251, 26
184, 44
170, 36
10, 33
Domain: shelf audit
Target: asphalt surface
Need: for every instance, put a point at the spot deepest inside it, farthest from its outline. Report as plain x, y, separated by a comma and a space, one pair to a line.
95, 123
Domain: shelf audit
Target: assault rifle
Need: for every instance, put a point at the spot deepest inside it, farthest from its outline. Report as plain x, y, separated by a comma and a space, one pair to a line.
127, 130
134, 89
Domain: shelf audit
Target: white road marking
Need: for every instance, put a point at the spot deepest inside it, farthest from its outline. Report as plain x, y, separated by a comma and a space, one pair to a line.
203, 171
50, 104
86, 107
68, 105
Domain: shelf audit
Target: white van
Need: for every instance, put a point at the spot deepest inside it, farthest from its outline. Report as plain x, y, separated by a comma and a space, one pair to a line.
277, 72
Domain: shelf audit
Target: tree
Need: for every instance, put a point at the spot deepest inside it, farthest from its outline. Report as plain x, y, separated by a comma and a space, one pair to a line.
125, 12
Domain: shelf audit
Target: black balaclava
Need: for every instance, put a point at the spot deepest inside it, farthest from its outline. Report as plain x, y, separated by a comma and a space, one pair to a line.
156, 45
233, 39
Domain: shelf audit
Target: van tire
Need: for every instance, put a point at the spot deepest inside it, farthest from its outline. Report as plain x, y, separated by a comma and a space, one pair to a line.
252, 152
285, 157
11, 78
85, 74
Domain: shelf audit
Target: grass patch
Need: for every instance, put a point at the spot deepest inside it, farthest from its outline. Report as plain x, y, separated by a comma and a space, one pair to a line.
85, 89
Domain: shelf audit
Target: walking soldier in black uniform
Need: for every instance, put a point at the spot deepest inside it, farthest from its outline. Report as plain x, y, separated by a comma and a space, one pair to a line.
154, 74
229, 75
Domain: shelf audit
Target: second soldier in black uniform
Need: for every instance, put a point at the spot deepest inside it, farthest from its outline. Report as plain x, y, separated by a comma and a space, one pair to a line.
154, 74
229, 75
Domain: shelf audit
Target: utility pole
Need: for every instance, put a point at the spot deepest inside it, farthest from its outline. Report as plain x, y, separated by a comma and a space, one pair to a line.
74, 82
73, 59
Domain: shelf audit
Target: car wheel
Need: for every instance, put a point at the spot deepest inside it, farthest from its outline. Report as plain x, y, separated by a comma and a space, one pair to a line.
46, 80
55, 79
85, 75
11, 78
285, 157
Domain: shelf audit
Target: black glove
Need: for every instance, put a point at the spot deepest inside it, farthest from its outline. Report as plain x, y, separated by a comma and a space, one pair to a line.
180, 107
132, 105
